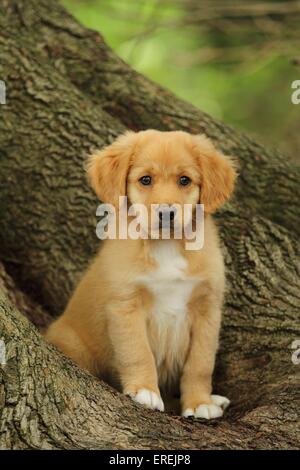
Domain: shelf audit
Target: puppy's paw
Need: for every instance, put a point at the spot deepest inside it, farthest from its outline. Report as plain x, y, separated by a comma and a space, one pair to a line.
147, 398
204, 411
208, 410
218, 400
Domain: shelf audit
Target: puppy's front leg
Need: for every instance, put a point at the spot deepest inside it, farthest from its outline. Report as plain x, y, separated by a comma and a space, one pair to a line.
196, 398
133, 357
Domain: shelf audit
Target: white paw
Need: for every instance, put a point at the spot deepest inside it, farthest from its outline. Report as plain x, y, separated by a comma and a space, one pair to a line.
214, 410
147, 398
223, 402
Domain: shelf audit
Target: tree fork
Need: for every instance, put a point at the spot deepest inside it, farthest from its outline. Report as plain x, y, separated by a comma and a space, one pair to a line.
67, 93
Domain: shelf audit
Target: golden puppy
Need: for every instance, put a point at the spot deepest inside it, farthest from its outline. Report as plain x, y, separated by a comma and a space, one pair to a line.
148, 311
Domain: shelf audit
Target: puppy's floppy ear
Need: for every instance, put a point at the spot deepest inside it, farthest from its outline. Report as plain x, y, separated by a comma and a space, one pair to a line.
217, 171
108, 168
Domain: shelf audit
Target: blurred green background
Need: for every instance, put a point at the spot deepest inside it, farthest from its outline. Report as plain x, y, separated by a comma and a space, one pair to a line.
236, 60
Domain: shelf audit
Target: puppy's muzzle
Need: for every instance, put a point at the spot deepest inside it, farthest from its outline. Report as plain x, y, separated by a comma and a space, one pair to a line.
166, 216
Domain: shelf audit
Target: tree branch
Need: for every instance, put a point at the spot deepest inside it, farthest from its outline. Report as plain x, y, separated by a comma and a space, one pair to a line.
67, 96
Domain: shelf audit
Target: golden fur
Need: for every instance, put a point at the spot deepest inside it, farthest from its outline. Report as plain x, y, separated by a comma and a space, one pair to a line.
147, 313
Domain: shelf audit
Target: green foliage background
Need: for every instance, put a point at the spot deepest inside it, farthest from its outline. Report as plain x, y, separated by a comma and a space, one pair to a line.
238, 75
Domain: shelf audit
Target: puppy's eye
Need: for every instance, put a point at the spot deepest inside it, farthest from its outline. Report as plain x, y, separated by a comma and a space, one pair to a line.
184, 180
145, 180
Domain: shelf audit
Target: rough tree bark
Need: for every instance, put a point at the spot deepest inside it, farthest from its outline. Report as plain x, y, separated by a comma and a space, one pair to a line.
68, 93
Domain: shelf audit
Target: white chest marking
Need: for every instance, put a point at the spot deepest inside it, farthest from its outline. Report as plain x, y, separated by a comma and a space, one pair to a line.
169, 283
171, 289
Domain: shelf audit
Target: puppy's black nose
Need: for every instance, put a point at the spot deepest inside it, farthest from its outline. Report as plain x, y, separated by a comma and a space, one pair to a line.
166, 214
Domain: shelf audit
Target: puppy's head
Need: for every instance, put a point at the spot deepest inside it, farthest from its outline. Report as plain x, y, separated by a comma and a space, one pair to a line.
163, 171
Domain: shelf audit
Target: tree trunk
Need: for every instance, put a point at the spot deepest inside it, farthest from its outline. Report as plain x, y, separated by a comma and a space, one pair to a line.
67, 93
